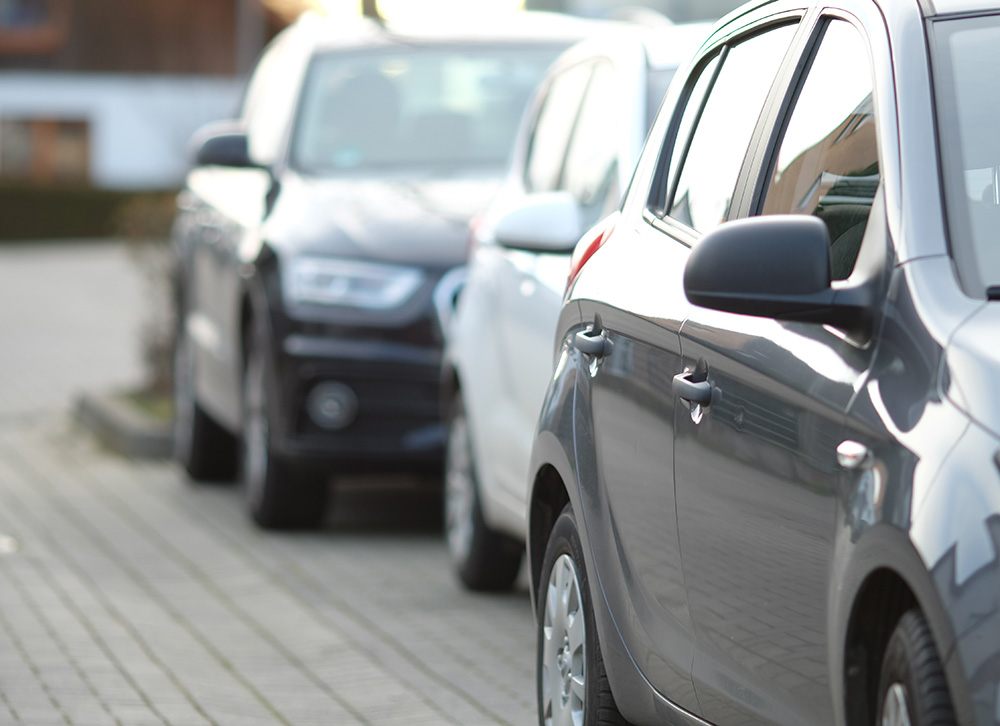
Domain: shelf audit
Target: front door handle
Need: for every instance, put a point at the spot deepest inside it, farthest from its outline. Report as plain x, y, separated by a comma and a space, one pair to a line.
699, 392
592, 342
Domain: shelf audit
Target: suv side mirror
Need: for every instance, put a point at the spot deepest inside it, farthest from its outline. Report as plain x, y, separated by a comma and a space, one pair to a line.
222, 144
775, 266
546, 222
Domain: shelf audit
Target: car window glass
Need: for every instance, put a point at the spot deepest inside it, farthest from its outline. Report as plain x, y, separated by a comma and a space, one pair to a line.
553, 128
712, 164
692, 110
967, 75
827, 164
406, 107
591, 170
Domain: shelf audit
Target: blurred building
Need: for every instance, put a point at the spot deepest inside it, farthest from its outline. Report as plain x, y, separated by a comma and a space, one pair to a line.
106, 93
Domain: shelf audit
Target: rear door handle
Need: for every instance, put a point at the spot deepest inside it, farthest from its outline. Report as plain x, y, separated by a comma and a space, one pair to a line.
592, 342
699, 392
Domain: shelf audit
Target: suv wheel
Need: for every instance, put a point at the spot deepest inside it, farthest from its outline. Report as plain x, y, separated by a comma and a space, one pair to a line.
483, 558
205, 449
572, 684
278, 496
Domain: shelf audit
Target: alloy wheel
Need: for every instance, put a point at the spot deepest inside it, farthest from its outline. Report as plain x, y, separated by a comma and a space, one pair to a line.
183, 381
255, 428
459, 490
563, 688
894, 710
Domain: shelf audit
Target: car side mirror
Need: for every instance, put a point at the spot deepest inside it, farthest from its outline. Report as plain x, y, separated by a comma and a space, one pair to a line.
774, 266
222, 144
545, 222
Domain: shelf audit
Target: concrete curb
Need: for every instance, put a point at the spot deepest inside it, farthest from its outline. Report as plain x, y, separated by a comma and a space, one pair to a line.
123, 427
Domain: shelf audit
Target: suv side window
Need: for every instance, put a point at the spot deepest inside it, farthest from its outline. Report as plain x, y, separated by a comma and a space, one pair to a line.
723, 131
553, 128
591, 171
827, 164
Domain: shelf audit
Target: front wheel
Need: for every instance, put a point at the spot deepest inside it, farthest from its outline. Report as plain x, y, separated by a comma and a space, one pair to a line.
278, 495
912, 687
573, 686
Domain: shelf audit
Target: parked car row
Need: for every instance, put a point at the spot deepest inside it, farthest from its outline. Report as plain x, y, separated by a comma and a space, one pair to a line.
310, 239
732, 391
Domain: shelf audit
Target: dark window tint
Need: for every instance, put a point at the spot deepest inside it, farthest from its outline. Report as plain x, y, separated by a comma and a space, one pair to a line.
591, 170
554, 128
710, 169
828, 159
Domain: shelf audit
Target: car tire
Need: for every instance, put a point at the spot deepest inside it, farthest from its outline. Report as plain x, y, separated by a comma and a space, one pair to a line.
278, 494
483, 559
912, 686
570, 669
207, 451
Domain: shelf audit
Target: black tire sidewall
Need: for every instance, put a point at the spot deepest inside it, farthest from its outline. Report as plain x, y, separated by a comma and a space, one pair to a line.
911, 659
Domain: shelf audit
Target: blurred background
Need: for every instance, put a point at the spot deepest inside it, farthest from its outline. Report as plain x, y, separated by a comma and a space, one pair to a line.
98, 98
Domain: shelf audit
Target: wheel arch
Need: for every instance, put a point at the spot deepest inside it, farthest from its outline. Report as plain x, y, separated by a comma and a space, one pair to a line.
550, 492
885, 578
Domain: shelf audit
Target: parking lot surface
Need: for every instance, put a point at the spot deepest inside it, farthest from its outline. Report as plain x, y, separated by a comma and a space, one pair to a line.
129, 595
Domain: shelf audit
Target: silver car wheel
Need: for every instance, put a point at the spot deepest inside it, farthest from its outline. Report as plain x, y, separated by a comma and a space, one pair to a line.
183, 396
894, 710
459, 490
255, 428
564, 648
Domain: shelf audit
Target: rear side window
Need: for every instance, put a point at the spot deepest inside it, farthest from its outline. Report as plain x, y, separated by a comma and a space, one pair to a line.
553, 129
591, 173
827, 163
723, 131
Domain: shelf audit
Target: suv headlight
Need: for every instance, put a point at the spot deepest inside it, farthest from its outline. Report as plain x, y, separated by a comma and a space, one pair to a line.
366, 285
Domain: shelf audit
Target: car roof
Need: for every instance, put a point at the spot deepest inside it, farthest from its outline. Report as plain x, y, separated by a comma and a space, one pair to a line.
528, 27
950, 7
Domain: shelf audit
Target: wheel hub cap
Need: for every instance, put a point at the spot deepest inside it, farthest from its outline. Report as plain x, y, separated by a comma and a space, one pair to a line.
563, 676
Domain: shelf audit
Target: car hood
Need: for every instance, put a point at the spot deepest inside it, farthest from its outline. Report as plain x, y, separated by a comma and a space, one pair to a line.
403, 220
972, 373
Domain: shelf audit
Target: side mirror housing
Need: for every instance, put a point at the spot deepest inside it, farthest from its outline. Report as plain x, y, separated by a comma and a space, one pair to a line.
546, 222
222, 144
775, 267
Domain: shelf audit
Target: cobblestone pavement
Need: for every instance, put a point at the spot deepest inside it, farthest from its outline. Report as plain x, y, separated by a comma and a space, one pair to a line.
130, 596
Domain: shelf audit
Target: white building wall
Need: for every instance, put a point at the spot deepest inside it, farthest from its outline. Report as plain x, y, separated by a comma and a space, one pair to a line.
140, 125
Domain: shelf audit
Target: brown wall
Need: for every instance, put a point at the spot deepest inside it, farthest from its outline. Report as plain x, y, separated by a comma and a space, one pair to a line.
139, 36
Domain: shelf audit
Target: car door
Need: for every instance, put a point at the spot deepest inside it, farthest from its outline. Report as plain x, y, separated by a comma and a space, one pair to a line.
756, 466
522, 288
632, 293
531, 294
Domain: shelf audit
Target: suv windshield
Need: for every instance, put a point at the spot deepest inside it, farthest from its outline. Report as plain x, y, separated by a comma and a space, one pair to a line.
415, 107
967, 76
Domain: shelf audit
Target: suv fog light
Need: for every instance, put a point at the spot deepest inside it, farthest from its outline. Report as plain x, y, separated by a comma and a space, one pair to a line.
332, 405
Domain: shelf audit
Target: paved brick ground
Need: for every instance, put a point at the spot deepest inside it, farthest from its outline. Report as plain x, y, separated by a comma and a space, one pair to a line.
130, 596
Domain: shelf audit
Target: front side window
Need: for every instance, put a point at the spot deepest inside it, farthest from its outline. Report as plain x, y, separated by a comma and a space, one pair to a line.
724, 129
967, 75
827, 162
418, 107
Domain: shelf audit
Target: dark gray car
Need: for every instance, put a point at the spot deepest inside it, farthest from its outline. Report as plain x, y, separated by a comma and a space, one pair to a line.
765, 480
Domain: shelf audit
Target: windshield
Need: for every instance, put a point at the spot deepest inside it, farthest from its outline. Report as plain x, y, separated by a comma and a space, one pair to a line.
967, 80
415, 107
